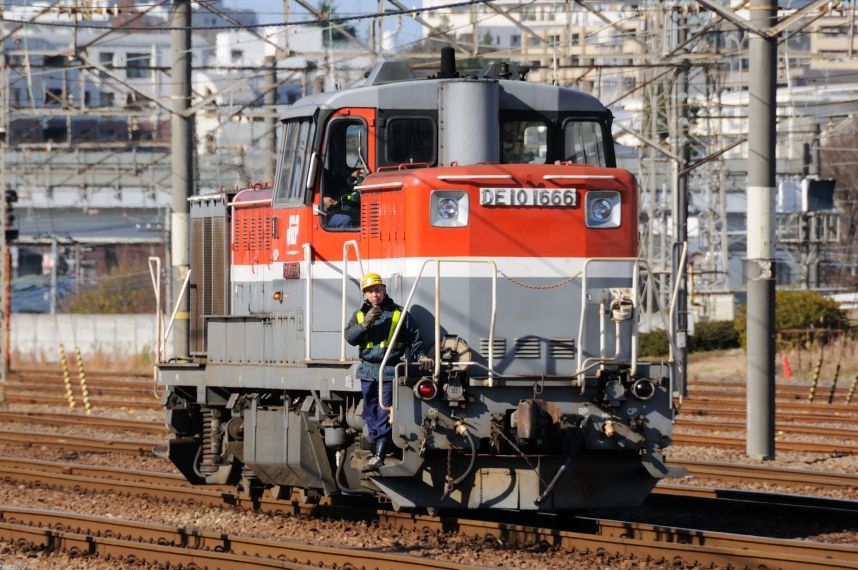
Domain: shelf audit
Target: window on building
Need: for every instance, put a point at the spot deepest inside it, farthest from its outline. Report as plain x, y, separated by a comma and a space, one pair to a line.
137, 65
410, 140
105, 58
583, 143
515, 40
55, 133
55, 61
236, 55
524, 142
106, 99
53, 96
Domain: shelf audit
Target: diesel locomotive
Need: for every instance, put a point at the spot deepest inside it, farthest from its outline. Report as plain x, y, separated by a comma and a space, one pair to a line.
493, 209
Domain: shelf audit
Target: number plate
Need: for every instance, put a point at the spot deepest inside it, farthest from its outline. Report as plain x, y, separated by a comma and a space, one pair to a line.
529, 197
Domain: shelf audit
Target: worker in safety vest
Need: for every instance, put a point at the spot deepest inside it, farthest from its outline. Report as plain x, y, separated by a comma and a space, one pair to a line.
372, 328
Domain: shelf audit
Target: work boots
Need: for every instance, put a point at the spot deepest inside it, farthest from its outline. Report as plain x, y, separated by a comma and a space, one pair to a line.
377, 460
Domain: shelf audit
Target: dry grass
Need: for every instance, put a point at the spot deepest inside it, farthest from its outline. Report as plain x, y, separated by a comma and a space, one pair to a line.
139, 362
731, 365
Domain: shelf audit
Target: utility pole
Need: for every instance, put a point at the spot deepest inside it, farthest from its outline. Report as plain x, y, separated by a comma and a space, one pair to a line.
5, 251
761, 236
270, 105
183, 170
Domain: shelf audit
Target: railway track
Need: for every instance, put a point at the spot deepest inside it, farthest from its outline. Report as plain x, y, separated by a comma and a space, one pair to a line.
621, 537
135, 541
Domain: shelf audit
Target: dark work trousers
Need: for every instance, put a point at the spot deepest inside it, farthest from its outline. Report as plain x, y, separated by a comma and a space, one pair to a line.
374, 415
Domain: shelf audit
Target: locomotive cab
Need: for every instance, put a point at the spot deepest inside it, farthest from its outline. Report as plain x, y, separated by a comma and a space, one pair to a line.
494, 211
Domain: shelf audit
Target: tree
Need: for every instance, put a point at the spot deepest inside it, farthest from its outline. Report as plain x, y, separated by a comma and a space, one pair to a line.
122, 290
332, 35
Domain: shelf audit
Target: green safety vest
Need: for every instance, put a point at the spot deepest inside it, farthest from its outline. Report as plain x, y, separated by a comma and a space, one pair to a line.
393, 322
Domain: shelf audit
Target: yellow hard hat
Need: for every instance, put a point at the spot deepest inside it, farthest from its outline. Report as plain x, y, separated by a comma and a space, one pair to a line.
369, 280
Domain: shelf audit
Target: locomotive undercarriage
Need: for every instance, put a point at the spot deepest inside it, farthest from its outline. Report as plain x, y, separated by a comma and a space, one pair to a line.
526, 443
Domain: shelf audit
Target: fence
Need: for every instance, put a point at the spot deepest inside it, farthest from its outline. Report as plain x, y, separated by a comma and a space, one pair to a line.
37, 336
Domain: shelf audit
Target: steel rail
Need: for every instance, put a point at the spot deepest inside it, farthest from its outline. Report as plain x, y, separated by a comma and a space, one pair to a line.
796, 429
118, 374
60, 402
113, 538
97, 422
792, 405
780, 475
77, 443
96, 388
739, 443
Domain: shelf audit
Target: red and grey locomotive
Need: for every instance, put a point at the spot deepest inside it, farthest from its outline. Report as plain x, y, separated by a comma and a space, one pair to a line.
494, 212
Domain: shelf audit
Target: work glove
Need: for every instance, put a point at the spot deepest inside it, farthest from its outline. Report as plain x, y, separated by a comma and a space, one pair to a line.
426, 364
371, 315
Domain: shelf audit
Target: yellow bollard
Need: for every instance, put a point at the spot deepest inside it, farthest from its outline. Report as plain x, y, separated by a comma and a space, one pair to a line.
851, 390
82, 376
812, 393
834, 384
66, 380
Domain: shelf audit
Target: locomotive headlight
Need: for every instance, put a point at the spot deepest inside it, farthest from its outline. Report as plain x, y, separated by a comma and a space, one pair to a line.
448, 208
603, 209
643, 389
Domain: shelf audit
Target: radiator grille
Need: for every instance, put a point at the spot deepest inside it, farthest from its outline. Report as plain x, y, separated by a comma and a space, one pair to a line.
499, 347
562, 348
528, 347
209, 273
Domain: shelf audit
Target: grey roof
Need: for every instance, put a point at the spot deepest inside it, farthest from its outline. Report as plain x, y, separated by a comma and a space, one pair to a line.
423, 94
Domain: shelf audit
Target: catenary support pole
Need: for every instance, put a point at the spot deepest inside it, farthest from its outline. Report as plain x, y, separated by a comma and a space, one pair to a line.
680, 324
270, 134
54, 263
761, 236
182, 166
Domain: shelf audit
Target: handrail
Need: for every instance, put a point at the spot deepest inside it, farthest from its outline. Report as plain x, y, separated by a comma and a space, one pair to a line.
635, 305
346, 245
159, 319
407, 304
454, 177
679, 274
175, 311
308, 298
585, 365
159, 315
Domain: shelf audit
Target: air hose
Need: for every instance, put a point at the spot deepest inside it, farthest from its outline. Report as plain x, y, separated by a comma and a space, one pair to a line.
462, 430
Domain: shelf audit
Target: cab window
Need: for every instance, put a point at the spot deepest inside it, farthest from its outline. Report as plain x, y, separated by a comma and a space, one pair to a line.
344, 167
524, 142
583, 143
294, 163
410, 140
